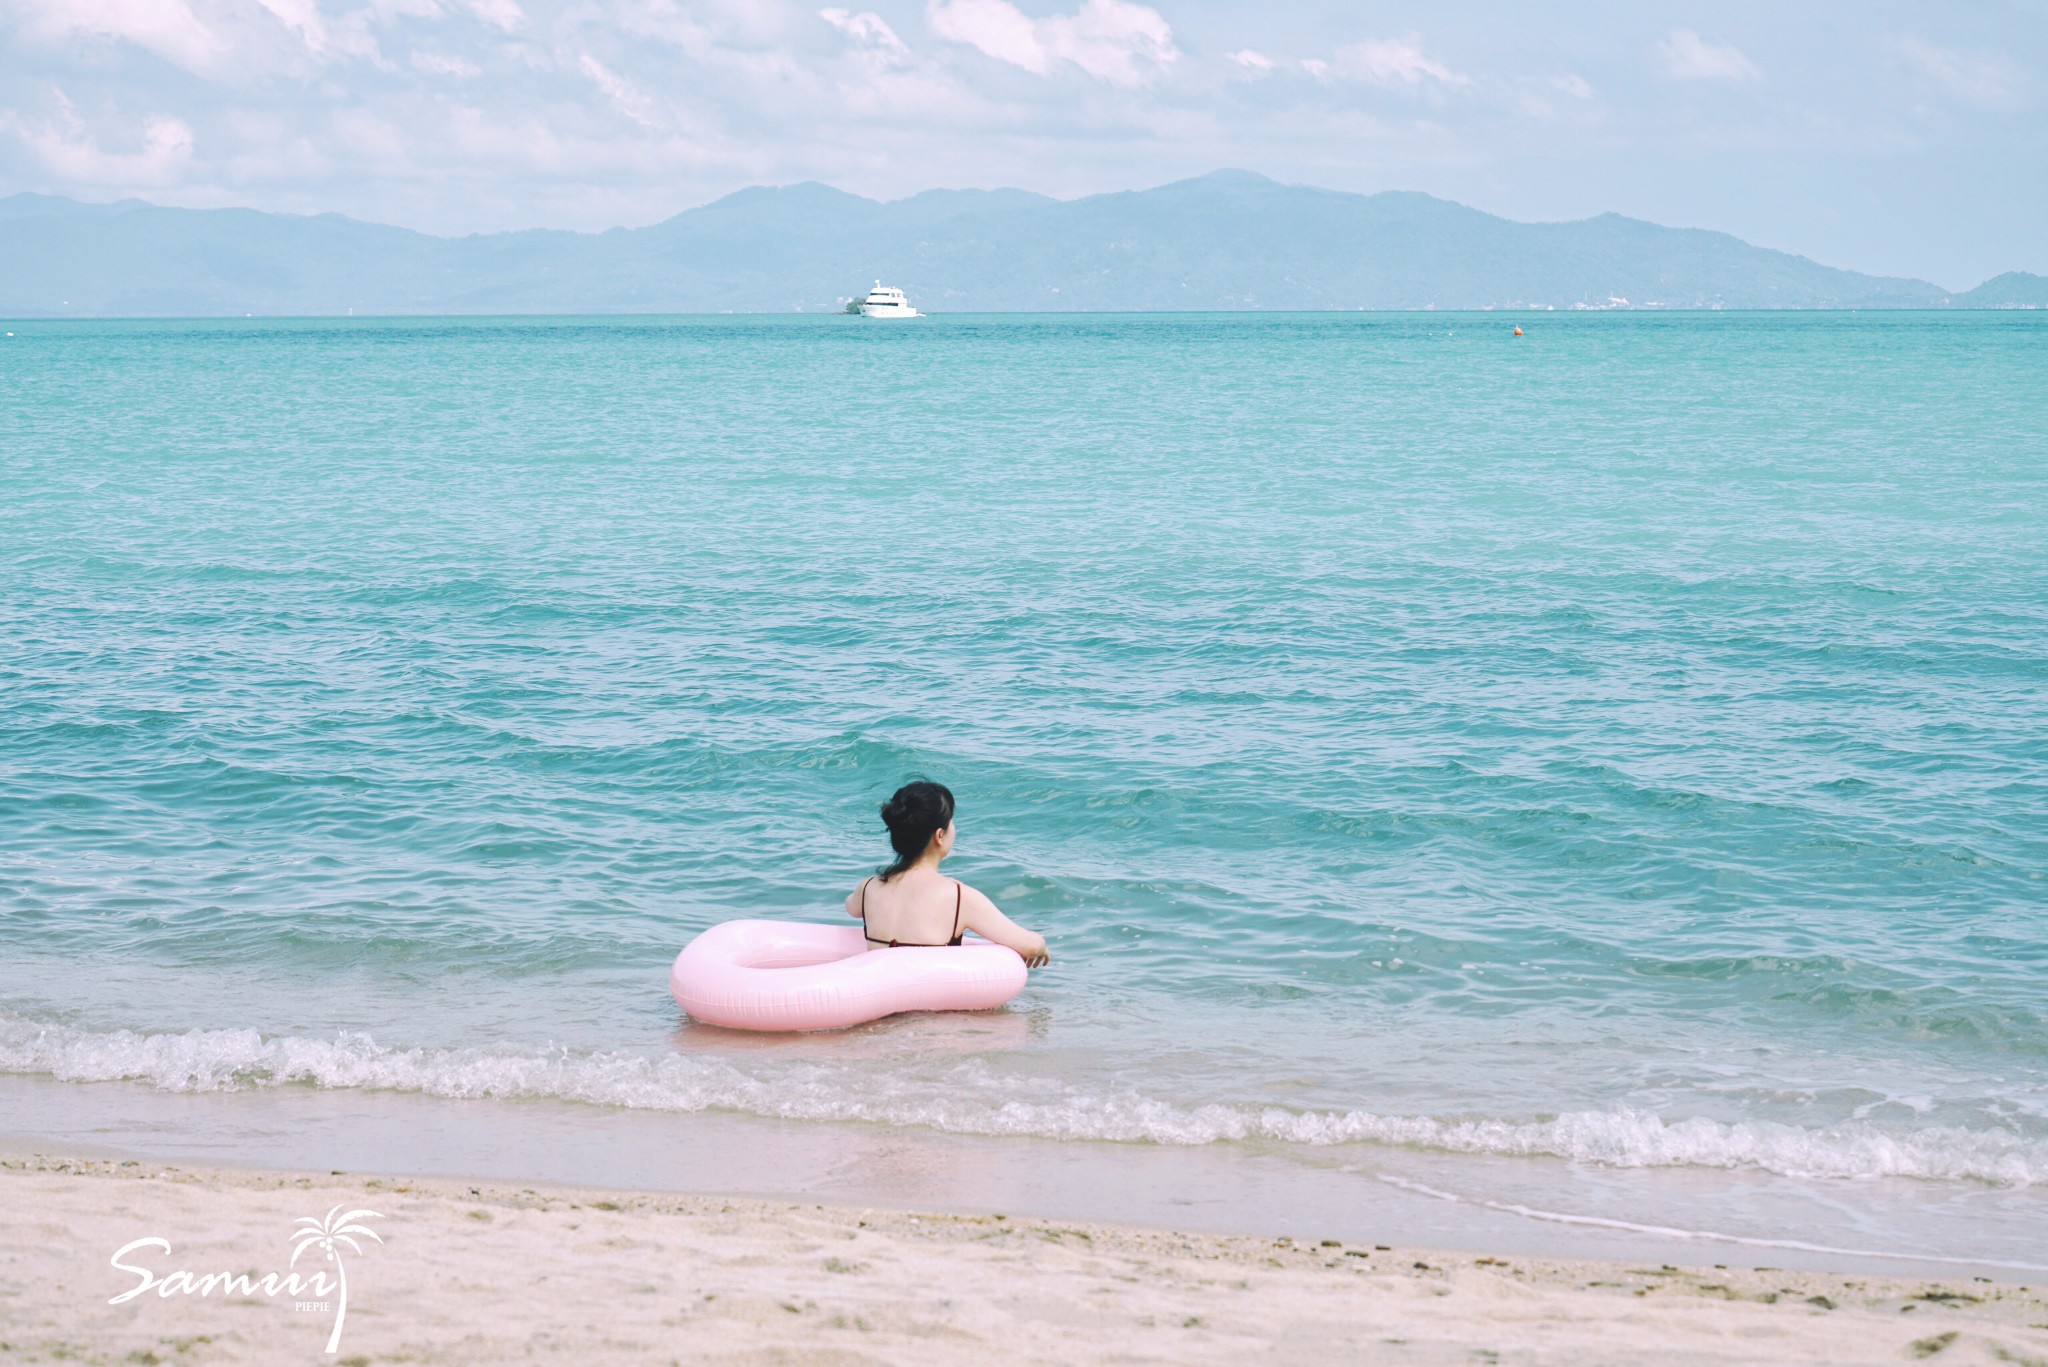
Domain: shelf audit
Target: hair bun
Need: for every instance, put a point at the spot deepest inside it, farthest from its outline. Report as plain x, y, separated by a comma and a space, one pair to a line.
914, 814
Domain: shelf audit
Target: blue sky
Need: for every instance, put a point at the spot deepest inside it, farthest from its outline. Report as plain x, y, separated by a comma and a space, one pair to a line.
1891, 137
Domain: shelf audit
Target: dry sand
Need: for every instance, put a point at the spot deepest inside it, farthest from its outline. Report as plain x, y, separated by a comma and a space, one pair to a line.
489, 1273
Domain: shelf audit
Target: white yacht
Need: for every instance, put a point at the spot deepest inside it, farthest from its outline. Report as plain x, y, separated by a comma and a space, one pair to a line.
886, 301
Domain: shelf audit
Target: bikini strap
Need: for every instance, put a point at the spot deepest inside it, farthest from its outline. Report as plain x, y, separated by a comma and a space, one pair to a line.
956, 910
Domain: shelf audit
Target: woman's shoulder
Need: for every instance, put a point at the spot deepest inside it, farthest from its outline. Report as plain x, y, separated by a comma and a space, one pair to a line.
973, 896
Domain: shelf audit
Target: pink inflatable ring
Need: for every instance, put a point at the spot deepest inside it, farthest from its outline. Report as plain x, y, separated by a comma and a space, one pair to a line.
793, 975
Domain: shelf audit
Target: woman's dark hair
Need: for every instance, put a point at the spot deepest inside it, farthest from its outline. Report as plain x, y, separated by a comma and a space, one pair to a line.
919, 810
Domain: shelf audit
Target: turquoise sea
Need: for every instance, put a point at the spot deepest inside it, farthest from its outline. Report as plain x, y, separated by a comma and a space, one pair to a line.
1551, 761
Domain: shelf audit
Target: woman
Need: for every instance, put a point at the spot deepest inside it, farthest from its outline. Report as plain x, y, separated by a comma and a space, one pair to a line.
910, 903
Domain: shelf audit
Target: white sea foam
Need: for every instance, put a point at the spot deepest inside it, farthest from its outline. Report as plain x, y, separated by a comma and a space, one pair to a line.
1698, 1235
968, 1096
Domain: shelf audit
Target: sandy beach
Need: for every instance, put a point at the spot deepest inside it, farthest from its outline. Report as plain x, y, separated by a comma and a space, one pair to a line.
491, 1273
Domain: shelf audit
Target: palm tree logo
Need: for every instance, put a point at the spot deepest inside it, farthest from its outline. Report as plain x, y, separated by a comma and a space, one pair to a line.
324, 1234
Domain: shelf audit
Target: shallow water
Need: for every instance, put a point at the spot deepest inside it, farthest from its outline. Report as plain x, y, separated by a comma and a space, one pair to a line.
1627, 743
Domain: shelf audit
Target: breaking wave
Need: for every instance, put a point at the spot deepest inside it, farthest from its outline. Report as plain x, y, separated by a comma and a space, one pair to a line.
966, 1096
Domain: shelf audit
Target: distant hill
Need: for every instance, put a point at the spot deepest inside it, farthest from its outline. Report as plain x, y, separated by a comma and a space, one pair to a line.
2013, 290
1230, 240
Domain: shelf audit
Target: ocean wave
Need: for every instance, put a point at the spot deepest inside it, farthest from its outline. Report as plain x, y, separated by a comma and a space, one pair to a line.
969, 1097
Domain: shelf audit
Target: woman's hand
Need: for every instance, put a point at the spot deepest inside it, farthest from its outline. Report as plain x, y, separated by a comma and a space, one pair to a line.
1035, 956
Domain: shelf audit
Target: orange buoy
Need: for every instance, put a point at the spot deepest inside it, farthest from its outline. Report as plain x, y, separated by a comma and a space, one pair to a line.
1518, 332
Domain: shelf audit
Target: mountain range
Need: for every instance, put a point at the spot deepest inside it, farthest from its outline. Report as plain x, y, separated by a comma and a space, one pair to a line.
1228, 240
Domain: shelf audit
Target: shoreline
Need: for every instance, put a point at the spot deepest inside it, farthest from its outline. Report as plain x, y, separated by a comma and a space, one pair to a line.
482, 1271
1526, 1207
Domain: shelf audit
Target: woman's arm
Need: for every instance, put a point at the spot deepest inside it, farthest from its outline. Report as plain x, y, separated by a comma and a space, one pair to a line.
853, 899
979, 915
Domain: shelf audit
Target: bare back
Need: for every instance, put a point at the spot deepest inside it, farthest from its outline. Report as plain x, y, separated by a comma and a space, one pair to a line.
919, 908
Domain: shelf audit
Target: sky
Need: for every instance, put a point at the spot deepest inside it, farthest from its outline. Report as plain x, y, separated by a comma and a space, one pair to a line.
1898, 138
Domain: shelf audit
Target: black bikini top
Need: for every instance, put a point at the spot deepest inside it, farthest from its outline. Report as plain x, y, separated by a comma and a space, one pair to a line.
898, 944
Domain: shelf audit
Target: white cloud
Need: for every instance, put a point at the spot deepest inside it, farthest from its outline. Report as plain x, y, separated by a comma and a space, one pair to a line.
997, 27
502, 14
625, 97
303, 18
1537, 98
434, 64
868, 31
69, 150
1692, 58
1393, 61
1980, 80
1257, 62
168, 28
256, 145
1113, 40
746, 41
352, 37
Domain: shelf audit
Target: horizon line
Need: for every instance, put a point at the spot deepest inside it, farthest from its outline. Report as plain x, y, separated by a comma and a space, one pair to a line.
1518, 311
